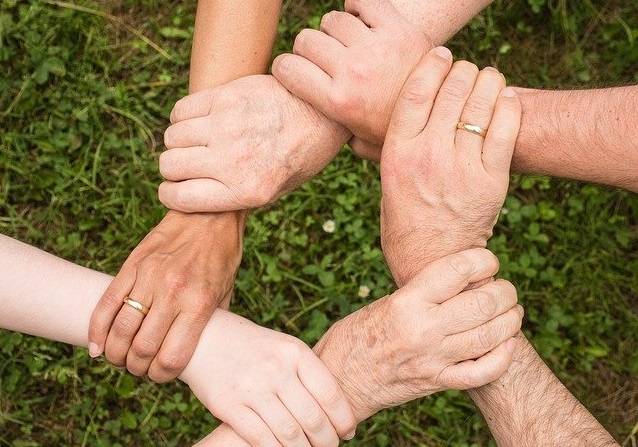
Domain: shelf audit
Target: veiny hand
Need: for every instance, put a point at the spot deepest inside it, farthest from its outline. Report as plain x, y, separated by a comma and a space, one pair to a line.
428, 336
443, 187
182, 271
353, 68
268, 386
243, 145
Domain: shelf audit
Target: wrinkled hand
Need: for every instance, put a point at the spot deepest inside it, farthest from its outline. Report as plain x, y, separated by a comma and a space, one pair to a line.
243, 145
428, 336
443, 187
353, 68
268, 386
182, 271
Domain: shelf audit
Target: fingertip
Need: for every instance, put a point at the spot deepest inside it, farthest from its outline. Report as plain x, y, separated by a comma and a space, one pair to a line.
442, 52
95, 350
508, 92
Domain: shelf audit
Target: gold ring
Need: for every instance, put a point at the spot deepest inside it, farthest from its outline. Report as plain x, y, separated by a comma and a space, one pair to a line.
136, 305
478, 130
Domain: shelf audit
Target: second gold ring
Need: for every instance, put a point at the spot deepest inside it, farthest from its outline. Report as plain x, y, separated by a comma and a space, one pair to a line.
473, 128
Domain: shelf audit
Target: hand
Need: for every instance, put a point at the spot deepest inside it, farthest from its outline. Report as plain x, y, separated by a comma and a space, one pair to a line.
443, 187
353, 68
426, 337
182, 271
243, 145
268, 386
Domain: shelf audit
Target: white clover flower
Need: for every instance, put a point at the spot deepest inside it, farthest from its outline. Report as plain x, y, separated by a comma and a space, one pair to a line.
364, 291
329, 226
504, 211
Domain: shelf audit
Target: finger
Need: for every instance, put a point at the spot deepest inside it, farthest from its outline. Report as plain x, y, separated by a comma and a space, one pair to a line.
192, 106
501, 136
190, 132
177, 348
198, 195
317, 427
319, 48
323, 387
481, 340
250, 427
479, 372
365, 150
478, 111
472, 308
303, 79
149, 338
448, 276
413, 107
127, 322
188, 163
107, 308
344, 27
373, 13
283, 424
450, 101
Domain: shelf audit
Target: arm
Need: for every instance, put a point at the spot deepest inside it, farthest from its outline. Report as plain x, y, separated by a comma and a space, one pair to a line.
540, 410
278, 156
263, 372
185, 267
580, 134
528, 405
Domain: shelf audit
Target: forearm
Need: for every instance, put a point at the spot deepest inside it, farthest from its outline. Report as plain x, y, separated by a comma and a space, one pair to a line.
529, 406
46, 296
440, 20
231, 40
582, 134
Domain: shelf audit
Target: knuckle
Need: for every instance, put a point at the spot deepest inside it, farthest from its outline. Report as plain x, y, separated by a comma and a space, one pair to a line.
416, 91
178, 111
301, 40
486, 303
479, 107
485, 337
460, 264
315, 421
291, 430
144, 348
170, 137
172, 362
112, 299
327, 19
125, 324
455, 88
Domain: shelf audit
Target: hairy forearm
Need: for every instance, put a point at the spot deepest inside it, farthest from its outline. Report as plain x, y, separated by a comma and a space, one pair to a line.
440, 20
585, 135
231, 40
529, 407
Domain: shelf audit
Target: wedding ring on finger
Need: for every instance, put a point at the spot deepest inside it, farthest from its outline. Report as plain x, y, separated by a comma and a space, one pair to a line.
136, 305
473, 128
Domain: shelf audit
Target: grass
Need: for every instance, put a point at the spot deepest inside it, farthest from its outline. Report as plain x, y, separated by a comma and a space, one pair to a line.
85, 91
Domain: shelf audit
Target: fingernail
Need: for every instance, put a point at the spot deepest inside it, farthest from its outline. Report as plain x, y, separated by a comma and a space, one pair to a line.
508, 92
349, 436
94, 350
510, 345
443, 52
